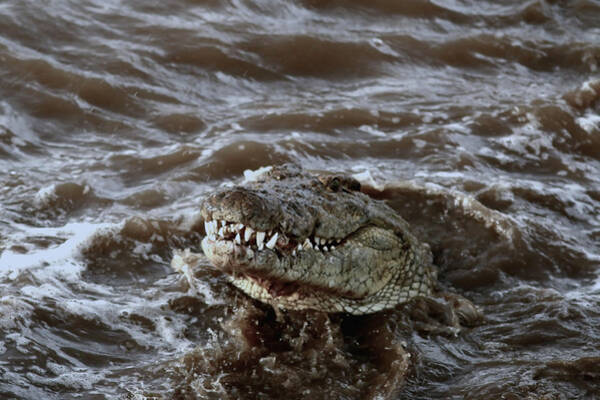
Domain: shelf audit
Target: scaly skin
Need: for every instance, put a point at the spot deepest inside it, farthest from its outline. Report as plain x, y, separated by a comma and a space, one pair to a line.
326, 245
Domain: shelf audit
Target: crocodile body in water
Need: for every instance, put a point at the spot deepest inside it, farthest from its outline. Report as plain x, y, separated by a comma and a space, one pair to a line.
302, 241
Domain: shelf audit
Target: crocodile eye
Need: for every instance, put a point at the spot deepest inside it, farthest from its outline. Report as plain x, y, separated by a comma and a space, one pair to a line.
334, 184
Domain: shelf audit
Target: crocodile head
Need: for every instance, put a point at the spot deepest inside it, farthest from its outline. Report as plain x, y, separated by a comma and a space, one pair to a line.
303, 241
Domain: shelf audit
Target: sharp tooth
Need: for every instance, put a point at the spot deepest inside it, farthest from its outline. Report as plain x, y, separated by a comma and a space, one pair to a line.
325, 248
223, 223
294, 253
207, 226
317, 247
307, 244
237, 239
239, 227
221, 232
332, 247
260, 237
247, 233
299, 247
271, 243
317, 240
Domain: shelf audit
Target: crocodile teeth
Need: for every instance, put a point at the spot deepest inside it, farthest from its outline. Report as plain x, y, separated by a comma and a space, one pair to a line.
307, 244
271, 243
243, 234
248, 233
208, 229
260, 238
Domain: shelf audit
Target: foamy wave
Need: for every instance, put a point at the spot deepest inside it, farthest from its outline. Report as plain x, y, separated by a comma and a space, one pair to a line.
502, 224
78, 235
253, 176
590, 122
184, 262
366, 178
67, 377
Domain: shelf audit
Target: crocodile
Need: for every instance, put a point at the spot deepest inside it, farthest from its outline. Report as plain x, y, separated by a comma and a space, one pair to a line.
298, 240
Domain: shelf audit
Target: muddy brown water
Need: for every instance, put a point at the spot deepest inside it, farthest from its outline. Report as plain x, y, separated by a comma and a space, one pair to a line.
478, 121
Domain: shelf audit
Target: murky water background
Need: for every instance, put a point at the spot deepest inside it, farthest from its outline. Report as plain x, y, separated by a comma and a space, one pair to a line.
477, 120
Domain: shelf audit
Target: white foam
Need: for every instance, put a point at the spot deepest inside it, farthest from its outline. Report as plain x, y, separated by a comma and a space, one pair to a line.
79, 234
587, 85
372, 131
14, 312
171, 331
47, 289
178, 264
184, 262
253, 176
590, 122
73, 379
142, 249
20, 341
45, 195
111, 310
595, 288
365, 178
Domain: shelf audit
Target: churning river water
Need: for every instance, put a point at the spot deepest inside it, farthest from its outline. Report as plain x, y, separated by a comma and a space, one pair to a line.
478, 121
